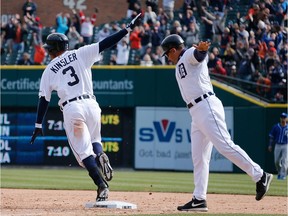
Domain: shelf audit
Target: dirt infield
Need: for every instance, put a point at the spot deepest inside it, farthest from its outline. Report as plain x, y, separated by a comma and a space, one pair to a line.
65, 203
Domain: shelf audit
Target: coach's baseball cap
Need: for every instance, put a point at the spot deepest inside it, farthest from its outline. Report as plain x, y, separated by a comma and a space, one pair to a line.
283, 115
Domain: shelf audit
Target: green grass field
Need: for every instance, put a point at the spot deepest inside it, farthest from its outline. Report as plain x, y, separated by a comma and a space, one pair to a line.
129, 180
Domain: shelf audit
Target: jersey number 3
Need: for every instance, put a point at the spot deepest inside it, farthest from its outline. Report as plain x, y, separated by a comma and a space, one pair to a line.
72, 74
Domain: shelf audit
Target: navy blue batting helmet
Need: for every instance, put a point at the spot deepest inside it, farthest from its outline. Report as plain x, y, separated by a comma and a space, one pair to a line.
57, 42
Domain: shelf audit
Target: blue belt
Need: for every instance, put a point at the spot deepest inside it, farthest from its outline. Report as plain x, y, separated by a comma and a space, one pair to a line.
197, 100
86, 96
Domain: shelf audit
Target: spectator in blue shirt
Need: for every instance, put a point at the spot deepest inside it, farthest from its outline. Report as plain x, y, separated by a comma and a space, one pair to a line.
278, 136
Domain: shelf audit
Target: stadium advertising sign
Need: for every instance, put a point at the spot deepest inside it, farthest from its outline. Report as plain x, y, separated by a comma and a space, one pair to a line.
163, 140
53, 148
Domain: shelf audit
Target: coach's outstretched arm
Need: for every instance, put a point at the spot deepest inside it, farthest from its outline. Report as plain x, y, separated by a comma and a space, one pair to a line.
115, 38
201, 50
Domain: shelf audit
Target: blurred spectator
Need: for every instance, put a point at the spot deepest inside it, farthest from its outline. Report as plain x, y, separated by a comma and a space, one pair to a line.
34, 24
69, 22
9, 33
2, 40
225, 39
135, 40
189, 5
243, 35
192, 34
146, 60
114, 28
122, 53
187, 18
262, 46
162, 16
20, 35
145, 35
104, 32
29, 7
246, 68
73, 37
252, 40
153, 4
215, 65
232, 71
80, 43
25, 60
133, 5
281, 12
157, 57
156, 37
208, 29
255, 59
240, 52
263, 86
126, 37
113, 59
61, 23
218, 5
39, 51
283, 53
150, 17
277, 75
270, 58
252, 17
75, 22
168, 7
176, 28
229, 61
218, 24
87, 25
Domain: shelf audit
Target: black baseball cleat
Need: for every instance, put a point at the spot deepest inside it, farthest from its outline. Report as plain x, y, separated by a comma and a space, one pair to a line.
194, 205
102, 193
262, 186
105, 166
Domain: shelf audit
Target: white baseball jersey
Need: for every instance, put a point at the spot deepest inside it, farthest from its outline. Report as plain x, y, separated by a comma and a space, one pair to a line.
208, 125
197, 80
70, 75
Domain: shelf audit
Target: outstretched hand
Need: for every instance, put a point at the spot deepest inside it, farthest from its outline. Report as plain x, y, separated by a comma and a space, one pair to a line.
36, 132
202, 46
132, 24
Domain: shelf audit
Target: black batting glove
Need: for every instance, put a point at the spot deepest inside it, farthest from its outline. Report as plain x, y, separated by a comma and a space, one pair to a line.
37, 131
132, 24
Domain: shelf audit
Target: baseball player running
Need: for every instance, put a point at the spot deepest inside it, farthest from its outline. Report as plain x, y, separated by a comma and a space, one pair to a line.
69, 73
279, 136
208, 125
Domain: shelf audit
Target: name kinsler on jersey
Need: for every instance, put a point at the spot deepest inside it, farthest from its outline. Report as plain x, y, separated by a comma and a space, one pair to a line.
63, 62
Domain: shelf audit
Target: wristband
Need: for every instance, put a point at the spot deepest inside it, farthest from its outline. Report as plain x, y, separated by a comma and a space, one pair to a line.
37, 125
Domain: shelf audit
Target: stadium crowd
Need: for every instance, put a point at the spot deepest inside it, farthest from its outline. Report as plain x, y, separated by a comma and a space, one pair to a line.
251, 45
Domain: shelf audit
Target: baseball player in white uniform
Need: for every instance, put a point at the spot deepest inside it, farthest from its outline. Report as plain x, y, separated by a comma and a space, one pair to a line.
69, 74
208, 125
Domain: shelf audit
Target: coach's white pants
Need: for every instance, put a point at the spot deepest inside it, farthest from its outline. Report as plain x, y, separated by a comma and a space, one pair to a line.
209, 128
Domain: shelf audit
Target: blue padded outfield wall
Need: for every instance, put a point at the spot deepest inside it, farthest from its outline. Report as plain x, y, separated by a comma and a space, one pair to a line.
126, 95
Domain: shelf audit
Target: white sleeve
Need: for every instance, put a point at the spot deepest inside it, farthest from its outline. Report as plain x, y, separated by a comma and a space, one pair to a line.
44, 89
89, 54
191, 58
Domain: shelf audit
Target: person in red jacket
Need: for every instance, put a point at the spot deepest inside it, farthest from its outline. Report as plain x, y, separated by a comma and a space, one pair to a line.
135, 40
39, 53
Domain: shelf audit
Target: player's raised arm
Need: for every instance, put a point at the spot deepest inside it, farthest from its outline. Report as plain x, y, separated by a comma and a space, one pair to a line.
115, 38
201, 50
